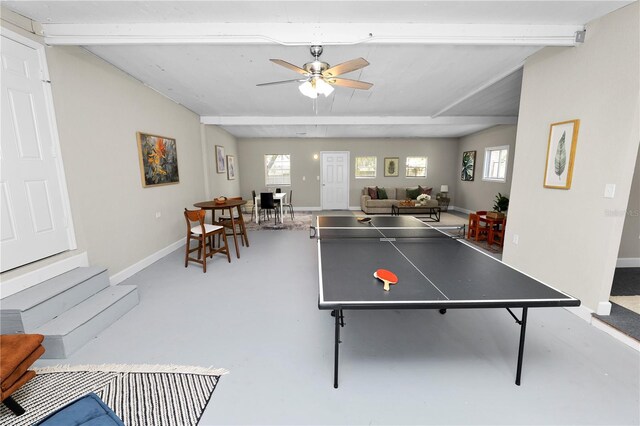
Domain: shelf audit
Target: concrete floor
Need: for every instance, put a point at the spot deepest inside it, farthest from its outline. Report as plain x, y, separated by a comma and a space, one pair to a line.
258, 317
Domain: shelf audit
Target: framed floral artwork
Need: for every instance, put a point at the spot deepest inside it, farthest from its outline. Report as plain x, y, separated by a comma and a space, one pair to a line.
561, 151
220, 164
231, 167
468, 165
158, 160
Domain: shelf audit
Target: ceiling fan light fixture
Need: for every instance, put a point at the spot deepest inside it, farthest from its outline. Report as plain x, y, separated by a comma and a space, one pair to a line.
308, 90
323, 87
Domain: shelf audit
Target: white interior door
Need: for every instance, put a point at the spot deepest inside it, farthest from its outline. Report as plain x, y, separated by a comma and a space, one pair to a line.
335, 180
33, 219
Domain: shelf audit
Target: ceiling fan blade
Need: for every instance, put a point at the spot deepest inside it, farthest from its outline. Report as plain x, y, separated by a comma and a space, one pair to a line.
282, 82
345, 67
345, 82
290, 66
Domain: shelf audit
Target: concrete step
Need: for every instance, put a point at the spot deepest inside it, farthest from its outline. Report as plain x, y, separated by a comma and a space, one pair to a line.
78, 325
29, 309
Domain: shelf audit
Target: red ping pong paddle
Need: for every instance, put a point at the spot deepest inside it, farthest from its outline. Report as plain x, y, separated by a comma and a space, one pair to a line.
387, 277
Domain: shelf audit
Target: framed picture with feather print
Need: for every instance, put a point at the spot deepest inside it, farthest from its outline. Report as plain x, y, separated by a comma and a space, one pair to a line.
561, 152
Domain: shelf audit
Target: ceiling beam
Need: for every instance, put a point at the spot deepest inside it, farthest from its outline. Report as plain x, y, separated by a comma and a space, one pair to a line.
308, 33
354, 120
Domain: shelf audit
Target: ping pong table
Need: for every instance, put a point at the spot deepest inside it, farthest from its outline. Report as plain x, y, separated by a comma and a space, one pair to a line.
434, 270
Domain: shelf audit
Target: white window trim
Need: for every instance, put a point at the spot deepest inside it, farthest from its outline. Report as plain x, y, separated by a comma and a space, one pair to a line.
266, 177
426, 166
355, 165
485, 164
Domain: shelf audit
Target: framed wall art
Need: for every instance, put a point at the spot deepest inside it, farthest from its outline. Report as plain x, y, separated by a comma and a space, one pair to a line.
231, 167
561, 151
220, 164
391, 166
158, 160
468, 165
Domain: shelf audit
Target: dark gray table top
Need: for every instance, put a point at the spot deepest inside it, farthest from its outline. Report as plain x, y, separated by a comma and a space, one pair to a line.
434, 270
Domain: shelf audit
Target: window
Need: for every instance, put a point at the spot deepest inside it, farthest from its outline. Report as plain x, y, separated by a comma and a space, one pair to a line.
366, 167
277, 169
416, 167
495, 163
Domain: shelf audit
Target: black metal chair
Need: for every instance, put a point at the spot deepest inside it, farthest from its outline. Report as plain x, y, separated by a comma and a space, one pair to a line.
277, 201
253, 203
290, 204
267, 204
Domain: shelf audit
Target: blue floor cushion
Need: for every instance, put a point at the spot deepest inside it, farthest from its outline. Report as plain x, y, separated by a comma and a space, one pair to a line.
88, 410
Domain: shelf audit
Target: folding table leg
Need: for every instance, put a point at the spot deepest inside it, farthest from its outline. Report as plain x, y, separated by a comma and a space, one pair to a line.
523, 328
337, 314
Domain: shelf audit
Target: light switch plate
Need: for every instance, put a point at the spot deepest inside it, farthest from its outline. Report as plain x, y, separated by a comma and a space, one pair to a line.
609, 190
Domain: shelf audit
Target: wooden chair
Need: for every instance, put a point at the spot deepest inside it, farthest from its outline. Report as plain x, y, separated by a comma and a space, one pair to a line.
496, 234
478, 229
204, 234
225, 221
471, 227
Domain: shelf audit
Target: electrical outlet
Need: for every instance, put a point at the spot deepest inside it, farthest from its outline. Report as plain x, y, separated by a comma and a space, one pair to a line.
158, 215
516, 237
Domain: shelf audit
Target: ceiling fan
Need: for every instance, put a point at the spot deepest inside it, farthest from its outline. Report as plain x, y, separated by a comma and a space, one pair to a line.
319, 77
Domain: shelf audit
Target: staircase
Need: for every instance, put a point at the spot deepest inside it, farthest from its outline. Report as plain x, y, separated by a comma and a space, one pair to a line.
69, 310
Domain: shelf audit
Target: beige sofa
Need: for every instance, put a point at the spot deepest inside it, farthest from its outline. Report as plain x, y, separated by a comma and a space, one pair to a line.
394, 195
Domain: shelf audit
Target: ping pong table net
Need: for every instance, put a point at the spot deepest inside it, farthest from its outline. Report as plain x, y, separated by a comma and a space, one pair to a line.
387, 233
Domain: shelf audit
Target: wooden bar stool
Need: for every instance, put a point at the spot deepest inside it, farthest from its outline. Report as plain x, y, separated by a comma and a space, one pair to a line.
238, 222
204, 233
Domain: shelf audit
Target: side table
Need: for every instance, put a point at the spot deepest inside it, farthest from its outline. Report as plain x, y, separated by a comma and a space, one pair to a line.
443, 203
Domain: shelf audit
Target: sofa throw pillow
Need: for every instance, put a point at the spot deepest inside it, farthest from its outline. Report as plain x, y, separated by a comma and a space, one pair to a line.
413, 193
373, 193
382, 194
425, 190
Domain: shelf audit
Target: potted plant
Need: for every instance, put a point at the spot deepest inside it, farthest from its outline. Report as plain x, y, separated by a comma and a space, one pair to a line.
500, 205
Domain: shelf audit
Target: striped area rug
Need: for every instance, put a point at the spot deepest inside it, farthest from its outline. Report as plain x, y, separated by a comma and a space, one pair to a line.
145, 395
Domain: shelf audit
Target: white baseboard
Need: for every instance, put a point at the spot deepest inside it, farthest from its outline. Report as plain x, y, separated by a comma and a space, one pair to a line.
628, 262
460, 209
585, 314
44, 273
139, 266
581, 312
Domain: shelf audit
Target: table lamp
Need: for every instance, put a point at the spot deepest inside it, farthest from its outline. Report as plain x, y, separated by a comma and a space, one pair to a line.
444, 189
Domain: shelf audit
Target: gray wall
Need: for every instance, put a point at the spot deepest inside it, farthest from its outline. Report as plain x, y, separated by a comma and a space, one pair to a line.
218, 184
478, 194
441, 153
99, 109
630, 243
566, 237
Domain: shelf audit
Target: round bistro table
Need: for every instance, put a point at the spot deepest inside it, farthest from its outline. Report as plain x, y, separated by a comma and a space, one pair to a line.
228, 205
